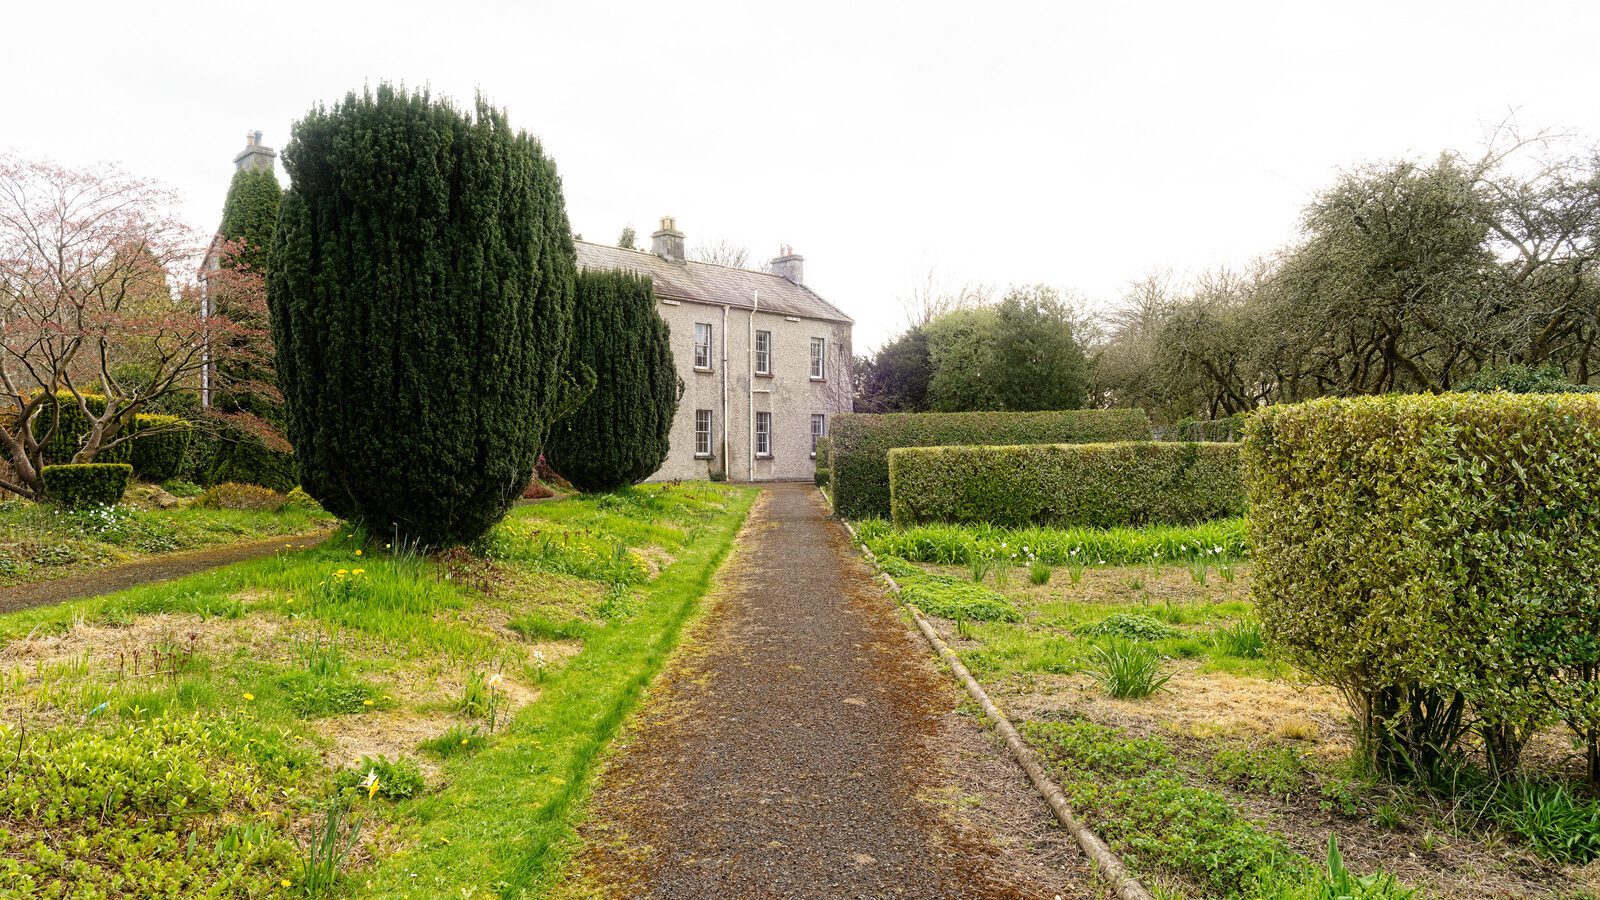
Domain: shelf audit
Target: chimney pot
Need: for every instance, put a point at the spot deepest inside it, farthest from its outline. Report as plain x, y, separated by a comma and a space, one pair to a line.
667, 241
255, 155
788, 265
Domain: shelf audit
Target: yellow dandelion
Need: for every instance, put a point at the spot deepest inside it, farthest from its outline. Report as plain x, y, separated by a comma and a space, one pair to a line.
366, 703
463, 742
358, 571
249, 696
285, 882
358, 552
342, 572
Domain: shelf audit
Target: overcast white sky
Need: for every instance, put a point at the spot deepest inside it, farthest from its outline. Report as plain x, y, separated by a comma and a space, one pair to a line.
1005, 142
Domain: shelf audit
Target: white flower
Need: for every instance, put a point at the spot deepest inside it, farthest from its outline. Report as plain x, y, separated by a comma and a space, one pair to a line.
495, 679
371, 779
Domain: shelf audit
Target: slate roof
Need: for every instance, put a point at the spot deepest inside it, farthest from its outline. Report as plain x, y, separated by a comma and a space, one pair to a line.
699, 282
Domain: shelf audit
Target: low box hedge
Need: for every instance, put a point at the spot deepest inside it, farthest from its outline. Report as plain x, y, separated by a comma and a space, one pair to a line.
1098, 485
1437, 558
859, 443
86, 485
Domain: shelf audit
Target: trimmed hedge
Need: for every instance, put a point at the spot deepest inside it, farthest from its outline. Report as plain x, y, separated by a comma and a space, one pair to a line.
1228, 429
159, 455
1100, 485
71, 428
1437, 558
86, 485
859, 443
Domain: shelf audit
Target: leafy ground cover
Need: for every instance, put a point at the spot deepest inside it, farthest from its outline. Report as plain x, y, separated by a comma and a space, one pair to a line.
1210, 765
352, 720
41, 542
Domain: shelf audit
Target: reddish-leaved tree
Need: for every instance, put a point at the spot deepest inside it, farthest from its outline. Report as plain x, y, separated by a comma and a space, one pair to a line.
97, 277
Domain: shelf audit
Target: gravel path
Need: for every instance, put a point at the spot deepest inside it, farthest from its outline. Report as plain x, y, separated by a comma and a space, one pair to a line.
158, 568
806, 747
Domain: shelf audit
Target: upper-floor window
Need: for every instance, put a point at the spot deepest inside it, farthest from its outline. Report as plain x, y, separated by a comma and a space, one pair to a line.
702, 432
819, 365
763, 434
763, 353
702, 345
819, 429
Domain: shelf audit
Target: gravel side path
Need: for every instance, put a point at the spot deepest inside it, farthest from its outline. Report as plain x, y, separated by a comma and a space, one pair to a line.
806, 747
159, 568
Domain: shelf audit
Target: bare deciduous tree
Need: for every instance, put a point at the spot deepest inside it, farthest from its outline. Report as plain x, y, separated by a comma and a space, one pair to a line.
87, 284
721, 252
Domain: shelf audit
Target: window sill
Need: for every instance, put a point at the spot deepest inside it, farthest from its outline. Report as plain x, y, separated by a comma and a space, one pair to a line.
704, 369
704, 456
819, 380
763, 456
763, 374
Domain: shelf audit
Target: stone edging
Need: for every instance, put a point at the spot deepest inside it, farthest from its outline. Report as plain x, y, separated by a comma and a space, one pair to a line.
1123, 885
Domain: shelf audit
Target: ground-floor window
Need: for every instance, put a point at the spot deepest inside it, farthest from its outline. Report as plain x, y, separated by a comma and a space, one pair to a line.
764, 434
702, 432
819, 428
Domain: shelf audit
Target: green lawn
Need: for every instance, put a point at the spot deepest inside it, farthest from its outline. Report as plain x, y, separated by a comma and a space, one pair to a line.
196, 738
39, 542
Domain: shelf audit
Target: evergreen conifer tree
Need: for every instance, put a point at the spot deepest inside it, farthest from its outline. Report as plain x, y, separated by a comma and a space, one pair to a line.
421, 298
618, 436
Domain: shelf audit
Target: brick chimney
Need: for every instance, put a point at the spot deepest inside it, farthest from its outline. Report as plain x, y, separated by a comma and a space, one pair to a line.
255, 154
789, 264
667, 241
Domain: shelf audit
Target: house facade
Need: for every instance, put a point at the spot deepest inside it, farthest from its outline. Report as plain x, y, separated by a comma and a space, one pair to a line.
765, 361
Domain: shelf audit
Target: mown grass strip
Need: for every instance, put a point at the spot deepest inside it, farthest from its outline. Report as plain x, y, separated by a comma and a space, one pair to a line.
506, 821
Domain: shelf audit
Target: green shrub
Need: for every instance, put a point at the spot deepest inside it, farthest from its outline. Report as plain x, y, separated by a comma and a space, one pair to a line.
241, 496
421, 295
159, 447
1427, 554
821, 477
859, 444
1100, 485
1521, 379
618, 435
948, 598
87, 485
70, 429
1133, 626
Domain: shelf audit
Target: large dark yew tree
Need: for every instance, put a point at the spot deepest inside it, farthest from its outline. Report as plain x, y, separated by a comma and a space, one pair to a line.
421, 297
618, 436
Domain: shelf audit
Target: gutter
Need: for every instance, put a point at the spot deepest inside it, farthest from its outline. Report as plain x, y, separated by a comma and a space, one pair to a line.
727, 469
750, 365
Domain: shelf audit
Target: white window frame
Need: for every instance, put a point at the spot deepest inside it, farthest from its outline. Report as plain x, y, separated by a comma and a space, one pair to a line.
819, 359
763, 351
710, 422
763, 435
819, 429
703, 350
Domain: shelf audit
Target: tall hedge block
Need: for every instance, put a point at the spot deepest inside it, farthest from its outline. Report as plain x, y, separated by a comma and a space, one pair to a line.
1434, 546
159, 447
1065, 485
618, 436
421, 303
859, 443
